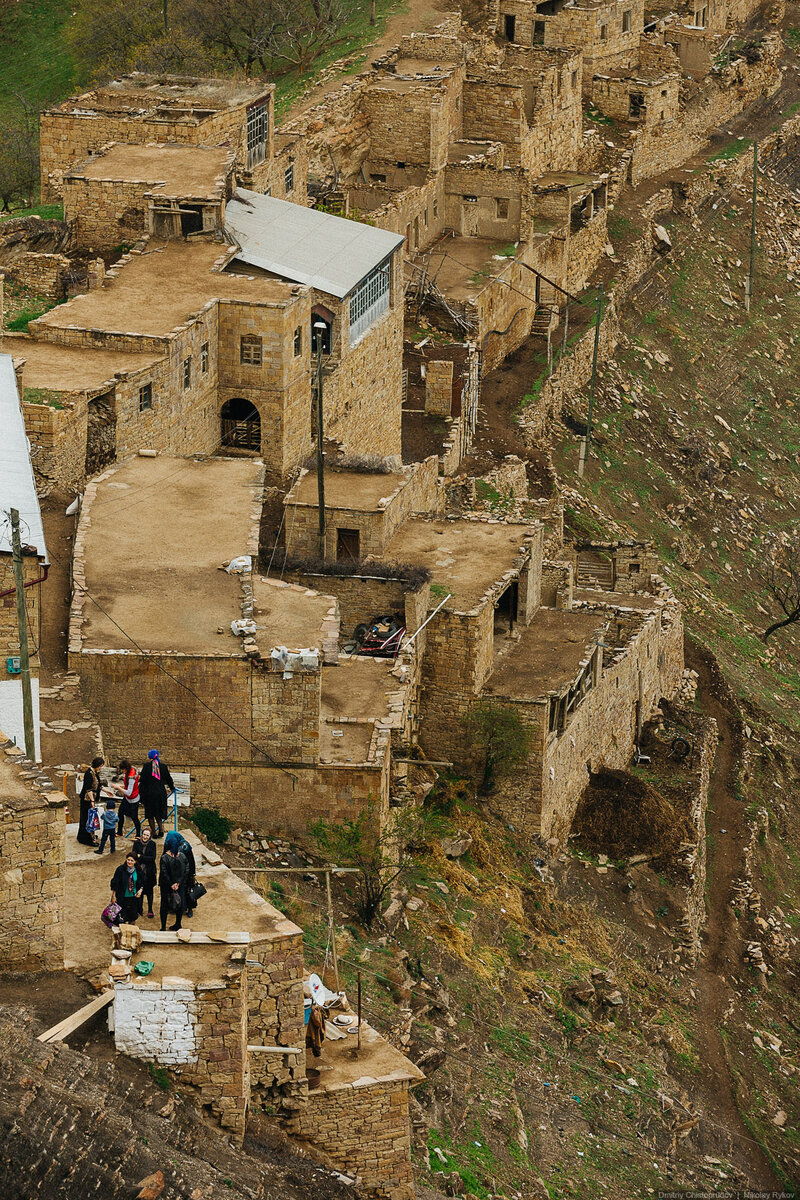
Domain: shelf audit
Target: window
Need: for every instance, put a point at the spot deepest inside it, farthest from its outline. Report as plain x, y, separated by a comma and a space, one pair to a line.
298, 341
204, 358
574, 79
538, 33
435, 208
636, 105
250, 350
288, 178
402, 166
369, 300
502, 208
257, 131
187, 373
626, 21
145, 397
375, 178
458, 103
603, 33
470, 199
510, 26
425, 218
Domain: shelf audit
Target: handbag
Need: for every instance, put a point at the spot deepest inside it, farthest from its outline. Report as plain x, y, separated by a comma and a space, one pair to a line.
110, 914
196, 891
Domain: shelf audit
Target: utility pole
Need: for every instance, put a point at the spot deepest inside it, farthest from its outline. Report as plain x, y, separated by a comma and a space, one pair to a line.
22, 625
748, 295
372, 12
166, 21
588, 435
320, 328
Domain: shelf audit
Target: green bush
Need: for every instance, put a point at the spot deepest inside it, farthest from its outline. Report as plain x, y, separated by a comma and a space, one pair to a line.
212, 824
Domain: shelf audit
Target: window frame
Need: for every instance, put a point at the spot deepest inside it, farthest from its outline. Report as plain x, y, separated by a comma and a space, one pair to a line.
146, 397
257, 133
204, 359
187, 373
370, 299
251, 350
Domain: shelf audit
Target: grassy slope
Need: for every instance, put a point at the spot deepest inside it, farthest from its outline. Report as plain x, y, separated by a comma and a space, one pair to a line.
35, 62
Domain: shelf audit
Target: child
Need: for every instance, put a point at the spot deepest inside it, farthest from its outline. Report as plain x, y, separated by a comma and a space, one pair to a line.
109, 827
92, 821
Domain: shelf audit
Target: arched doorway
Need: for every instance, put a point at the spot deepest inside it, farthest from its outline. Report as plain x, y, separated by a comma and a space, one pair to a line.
321, 316
241, 425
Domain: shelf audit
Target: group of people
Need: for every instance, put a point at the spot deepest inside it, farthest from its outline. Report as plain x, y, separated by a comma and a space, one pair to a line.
134, 881
150, 787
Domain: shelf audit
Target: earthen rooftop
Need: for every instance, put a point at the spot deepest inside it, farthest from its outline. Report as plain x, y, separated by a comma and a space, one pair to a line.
161, 288
172, 170
356, 690
149, 95
348, 489
465, 557
70, 369
159, 530
288, 615
229, 906
547, 656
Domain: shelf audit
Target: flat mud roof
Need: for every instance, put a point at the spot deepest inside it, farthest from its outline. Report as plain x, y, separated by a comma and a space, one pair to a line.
159, 530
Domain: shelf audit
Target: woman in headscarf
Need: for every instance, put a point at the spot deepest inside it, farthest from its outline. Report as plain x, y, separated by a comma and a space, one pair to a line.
155, 785
90, 790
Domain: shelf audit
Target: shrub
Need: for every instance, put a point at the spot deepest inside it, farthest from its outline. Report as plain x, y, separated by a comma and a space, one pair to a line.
212, 824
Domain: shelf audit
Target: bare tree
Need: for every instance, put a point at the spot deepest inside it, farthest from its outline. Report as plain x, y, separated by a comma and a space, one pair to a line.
104, 35
780, 575
272, 35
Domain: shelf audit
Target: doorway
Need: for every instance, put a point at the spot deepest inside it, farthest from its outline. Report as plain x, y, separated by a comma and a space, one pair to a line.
191, 219
510, 25
348, 545
101, 432
240, 425
505, 613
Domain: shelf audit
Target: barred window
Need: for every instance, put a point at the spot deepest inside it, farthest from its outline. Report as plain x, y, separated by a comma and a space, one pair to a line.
204, 358
298, 341
250, 350
369, 300
145, 397
257, 130
288, 178
187, 373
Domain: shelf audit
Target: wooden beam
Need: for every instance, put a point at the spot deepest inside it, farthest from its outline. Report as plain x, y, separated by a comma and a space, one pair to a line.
154, 937
64, 1028
275, 1050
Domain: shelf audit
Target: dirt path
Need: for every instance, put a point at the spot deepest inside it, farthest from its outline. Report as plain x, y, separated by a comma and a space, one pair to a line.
415, 17
722, 942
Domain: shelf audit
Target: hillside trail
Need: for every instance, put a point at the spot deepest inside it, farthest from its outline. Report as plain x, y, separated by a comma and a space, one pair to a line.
722, 949
416, 16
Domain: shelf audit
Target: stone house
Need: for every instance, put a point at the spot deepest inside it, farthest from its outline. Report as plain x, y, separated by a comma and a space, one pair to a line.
32, 853
304, 734
143, 109
18, 490
206, 342
605, 32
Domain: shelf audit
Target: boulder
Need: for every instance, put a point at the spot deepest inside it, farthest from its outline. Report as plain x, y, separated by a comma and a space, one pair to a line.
457, 845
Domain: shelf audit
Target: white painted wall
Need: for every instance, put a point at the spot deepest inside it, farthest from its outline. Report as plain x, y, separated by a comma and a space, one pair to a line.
11, 721
156, 1022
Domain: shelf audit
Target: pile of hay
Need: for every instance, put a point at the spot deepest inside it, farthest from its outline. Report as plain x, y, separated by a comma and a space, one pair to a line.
620, 816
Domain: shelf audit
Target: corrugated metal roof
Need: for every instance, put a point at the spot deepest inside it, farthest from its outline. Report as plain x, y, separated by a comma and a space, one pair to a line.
17, 488
304, 245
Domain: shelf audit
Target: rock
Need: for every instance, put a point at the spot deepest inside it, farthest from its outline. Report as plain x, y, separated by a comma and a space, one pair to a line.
583, 991
443, 888
661, 239
615, 998
393, 914
414, 904
780, 1118
151, 1186
456, 846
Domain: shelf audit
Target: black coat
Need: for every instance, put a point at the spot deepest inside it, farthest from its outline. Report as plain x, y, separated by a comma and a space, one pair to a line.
172, 869
146, 853
90, 789
119, 881
154, 792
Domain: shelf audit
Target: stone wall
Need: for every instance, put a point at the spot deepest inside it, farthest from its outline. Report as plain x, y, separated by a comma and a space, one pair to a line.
361, 597
32, 853
43, 274
32, 569
286, 712
365, 1129
418, 493
287, 801
363, 397
275, 1014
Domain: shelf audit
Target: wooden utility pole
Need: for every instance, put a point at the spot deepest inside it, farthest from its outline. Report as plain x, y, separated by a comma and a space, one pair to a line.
372, 12
748, 295
166, 20
320, 328
332, 925
590, 412
22, 626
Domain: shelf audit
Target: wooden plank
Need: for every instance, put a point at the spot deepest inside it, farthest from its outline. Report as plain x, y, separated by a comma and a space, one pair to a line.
64, 1028
154, 937
275, 1050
